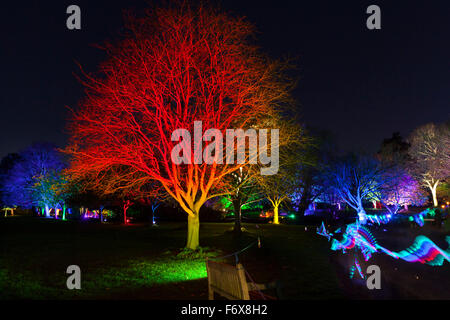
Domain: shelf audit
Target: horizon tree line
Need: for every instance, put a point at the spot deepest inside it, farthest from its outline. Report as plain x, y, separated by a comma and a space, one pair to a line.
179, 64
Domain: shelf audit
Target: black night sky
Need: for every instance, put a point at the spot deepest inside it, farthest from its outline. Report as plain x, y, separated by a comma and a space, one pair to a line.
362, 85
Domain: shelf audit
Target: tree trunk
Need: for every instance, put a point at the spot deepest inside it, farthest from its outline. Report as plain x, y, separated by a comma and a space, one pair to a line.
237, 216
306, 197
304, 204
193, 231
374, 202
362, 216
47, 211
154, 207
125, 208
275, 215
433, 193
126, 205
64, 212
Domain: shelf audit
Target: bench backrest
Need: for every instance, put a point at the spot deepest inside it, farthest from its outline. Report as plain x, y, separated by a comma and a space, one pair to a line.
227, 280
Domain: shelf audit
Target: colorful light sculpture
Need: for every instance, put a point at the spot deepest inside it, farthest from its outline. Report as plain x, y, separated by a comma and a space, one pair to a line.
357, 267
323, 231
424, 250
359, 238
386, 218
379, 219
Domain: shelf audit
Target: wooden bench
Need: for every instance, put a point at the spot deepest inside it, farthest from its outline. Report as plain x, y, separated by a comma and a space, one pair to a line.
230, 282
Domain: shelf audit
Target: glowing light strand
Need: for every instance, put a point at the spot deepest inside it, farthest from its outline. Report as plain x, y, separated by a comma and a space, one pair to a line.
358, 237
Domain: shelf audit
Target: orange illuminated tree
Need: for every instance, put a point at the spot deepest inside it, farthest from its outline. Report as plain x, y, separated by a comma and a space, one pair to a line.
279, 187
247, 185
175, 65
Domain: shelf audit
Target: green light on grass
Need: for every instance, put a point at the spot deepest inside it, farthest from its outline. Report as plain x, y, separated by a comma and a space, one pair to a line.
147, 273
171, 270
177, 271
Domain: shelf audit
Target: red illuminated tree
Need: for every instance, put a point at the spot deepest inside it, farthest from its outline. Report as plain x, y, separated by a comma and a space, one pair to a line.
175, 66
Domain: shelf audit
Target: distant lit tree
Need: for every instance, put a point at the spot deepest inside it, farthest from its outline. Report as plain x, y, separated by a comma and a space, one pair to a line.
430, 152
443, 190
153, 201
119, 184
278, 188
51, 190
399, 189
243, 186
242, 190
356, 179
34, 180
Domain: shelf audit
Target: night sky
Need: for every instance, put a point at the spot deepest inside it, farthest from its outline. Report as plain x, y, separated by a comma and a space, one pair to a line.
361, 85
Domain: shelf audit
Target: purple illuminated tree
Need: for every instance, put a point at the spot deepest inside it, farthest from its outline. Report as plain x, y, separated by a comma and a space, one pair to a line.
399, 189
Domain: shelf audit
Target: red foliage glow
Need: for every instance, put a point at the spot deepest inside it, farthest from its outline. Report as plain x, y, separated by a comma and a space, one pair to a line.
175, 66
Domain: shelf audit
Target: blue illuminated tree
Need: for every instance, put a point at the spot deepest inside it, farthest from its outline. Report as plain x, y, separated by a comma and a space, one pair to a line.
357, 179
35, 179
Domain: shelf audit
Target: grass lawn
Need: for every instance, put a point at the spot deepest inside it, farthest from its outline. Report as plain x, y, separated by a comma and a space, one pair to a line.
140, 262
